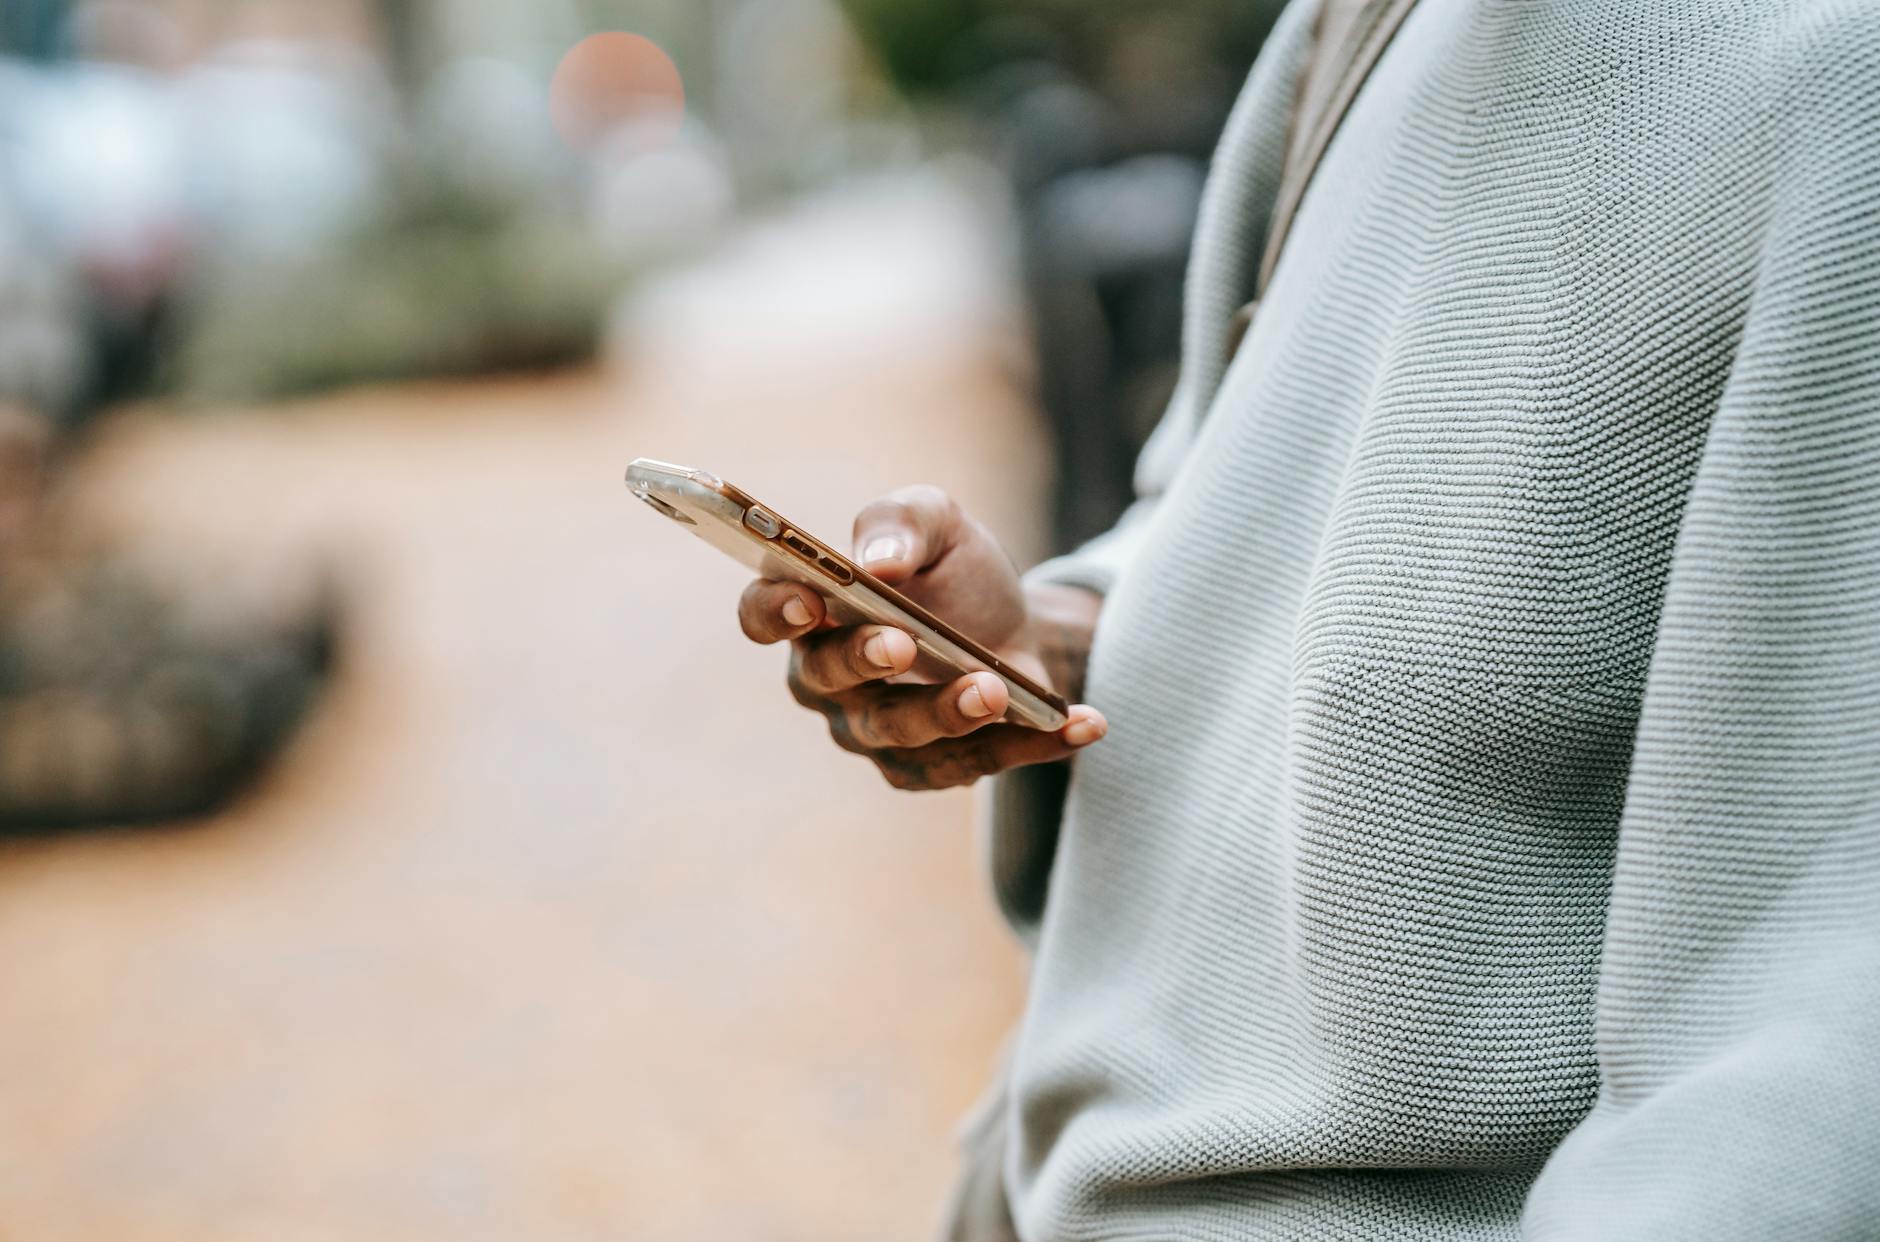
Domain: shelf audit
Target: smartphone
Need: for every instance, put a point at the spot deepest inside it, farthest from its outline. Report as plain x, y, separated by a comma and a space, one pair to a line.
773, 547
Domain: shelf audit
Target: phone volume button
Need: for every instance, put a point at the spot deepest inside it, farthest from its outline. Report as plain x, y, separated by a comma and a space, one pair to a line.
764, 523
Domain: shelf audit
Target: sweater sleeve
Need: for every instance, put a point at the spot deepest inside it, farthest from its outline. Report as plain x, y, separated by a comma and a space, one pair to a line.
1097, 564
1738, 1012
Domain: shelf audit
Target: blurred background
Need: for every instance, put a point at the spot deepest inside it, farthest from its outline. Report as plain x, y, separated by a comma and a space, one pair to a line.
397, 841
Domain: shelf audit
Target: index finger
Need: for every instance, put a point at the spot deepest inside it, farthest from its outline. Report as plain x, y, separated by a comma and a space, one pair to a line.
770, 612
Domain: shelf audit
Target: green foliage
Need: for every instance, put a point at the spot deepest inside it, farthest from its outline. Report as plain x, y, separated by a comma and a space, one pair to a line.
940, 45
439, 285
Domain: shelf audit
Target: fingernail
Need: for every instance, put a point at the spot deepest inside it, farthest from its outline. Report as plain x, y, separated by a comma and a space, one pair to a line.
886, 548
875, 651
1083, 732
973, 703
795, 611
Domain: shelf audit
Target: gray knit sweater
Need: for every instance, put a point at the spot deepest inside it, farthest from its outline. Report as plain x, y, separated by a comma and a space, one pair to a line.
1487, 843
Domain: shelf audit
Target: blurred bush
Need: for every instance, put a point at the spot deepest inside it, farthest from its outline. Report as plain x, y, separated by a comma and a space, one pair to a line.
939, 46
234, 201
431, 290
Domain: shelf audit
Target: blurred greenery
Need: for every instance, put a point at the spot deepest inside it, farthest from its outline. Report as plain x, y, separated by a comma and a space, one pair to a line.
932, 46
438, 284
442, 281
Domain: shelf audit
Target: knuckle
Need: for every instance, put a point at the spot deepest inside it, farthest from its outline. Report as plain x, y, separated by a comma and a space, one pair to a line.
864, 725
806, 687
865, 721
843, 735
893, 725
814, 667
798, 683
907, 770
953, 778
896, 775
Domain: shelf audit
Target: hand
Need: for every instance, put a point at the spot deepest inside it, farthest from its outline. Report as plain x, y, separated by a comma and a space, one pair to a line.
926, 731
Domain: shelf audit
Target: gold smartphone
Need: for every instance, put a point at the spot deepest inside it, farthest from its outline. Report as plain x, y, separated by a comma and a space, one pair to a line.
762, 539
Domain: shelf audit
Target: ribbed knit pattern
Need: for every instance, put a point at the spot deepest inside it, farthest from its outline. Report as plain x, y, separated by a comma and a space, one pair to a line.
1487, 843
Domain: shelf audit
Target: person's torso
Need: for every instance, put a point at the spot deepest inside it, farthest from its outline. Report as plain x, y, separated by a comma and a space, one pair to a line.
1330, 898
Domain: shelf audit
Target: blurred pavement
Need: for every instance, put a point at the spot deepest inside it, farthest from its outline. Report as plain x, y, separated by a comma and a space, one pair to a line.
561, 921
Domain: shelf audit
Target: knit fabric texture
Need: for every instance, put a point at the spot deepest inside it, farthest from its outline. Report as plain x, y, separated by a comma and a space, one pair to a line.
1487, 842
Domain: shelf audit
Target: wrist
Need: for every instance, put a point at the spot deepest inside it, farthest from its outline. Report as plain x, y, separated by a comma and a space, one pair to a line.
1061, 622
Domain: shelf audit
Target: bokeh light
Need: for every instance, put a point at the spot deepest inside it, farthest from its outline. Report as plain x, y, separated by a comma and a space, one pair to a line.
617, 81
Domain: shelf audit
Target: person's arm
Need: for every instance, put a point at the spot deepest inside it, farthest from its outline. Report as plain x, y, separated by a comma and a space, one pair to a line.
1738, 1013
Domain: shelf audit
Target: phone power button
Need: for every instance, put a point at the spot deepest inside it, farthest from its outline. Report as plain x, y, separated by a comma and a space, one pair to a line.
763, 522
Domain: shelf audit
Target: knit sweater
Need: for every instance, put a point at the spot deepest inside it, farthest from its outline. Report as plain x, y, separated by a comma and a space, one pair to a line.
1487, 841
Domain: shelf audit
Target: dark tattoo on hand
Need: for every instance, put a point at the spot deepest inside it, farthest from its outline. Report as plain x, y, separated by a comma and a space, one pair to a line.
943, 765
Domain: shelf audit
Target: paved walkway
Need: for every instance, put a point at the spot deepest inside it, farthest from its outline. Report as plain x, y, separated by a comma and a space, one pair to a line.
561, 922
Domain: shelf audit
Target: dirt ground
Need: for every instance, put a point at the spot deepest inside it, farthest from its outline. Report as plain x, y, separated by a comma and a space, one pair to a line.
560, 921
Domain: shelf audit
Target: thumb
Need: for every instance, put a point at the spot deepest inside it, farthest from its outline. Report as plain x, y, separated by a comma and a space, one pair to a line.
906, 531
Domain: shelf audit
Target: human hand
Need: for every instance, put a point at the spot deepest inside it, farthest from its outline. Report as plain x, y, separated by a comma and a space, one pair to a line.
925, 730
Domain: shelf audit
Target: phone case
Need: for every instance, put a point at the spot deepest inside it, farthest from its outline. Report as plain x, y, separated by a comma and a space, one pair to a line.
761, 539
